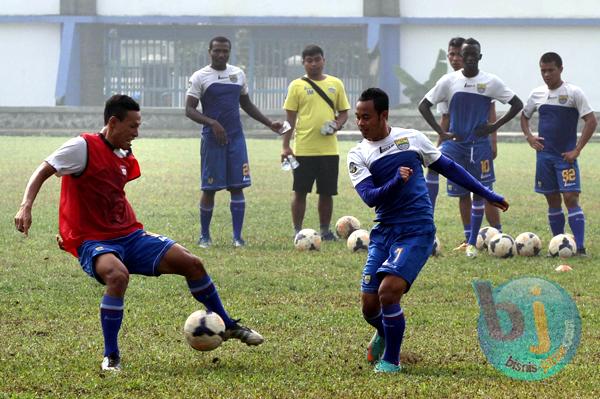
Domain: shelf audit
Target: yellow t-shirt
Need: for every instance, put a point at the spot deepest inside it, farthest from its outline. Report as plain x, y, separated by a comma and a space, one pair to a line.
313, 112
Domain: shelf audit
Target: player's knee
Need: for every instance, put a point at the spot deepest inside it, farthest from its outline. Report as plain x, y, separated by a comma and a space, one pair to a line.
117, 279
195, 268
370, 306
571, 200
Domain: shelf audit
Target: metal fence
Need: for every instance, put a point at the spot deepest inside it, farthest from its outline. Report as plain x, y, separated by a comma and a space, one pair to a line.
153, 64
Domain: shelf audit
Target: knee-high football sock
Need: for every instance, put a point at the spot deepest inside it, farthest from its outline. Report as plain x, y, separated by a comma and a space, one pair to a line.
205, 218
577, 224
556, 220
377, 322
238, 208
477, 210
111, 317
206, 293
393, 325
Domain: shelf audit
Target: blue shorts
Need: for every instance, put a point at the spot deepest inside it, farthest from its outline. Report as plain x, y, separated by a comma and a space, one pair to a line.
554, 174
400, 250
476, 158
224, 166
140, 252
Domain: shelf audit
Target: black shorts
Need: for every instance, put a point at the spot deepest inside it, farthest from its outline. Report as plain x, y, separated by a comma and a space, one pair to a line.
322, 168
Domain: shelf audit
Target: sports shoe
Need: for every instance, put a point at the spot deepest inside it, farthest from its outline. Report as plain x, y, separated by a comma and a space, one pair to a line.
111, 363
204, 242
462, 247
581, 252
238, 243
329, 236
244, 334
383, 366
375, 348
471, 251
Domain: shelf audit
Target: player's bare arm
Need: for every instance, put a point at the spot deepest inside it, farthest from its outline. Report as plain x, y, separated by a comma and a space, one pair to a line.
535, 142
589, 127
191, 111
516, 105
425, 110
23, 217
248, 106
287, 137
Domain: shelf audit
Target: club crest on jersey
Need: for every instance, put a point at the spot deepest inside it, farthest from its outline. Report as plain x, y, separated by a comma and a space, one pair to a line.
562, 99
352, 168
233, 78
481, 88
402, 143
367, 279
309, 91
331, 90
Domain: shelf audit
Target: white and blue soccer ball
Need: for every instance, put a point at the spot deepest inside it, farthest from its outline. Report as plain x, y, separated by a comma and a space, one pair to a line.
358, 240
562, 245
502, 246
307, 240
204, 330
346, 225
528, 244
484, 236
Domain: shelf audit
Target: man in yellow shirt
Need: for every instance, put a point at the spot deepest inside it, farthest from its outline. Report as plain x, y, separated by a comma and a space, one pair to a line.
316, 107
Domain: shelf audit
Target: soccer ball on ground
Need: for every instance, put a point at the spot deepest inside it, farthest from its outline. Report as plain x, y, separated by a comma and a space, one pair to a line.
528, 244
562, 245
307, 240
358, 240
346, 225
437, 248
502, 246
204, 330
484, 236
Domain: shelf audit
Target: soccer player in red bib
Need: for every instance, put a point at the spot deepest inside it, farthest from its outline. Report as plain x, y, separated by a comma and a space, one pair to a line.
99, 227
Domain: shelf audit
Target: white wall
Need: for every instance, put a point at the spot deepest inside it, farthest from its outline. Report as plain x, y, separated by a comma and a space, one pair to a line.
512, 53
30, 64
230, 8
500, 9
29, 7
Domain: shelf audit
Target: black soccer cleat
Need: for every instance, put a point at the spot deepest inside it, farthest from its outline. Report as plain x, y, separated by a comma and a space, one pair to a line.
244, 334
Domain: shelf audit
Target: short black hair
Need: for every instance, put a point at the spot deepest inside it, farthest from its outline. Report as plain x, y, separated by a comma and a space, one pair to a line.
381, 101
311, 50
118, 105
472, 42
219, 39
551, 57
456, 42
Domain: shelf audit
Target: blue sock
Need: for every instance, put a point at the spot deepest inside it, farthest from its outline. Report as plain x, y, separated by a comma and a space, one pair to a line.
205, 218
556, 219
376, 322
111, 317
433, 186
238, 208
206, 293
577, 224
477, 210
498, 227
467, 231
393, 325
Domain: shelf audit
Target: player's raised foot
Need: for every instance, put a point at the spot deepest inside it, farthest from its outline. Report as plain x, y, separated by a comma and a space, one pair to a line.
471, 251
581, 252
204, 242
111, 363
244, 334
383, 366
462, 247
375, 348
238, 243
329, 236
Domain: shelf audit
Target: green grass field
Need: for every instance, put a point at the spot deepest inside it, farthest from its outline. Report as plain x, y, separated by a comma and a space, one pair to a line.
305, 304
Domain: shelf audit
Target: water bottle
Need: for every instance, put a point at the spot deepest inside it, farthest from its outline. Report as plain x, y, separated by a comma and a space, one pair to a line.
328, 128
285, 165
293, 161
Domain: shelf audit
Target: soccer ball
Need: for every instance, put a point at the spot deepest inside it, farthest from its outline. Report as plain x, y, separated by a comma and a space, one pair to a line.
484, 236
528, 244
502, 246
204, 330
346, 225
358, 240
437, 248
562, 245
307, 240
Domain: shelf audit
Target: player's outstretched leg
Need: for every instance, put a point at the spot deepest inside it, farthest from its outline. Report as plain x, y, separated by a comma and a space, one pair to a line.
237, 206
179, 260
